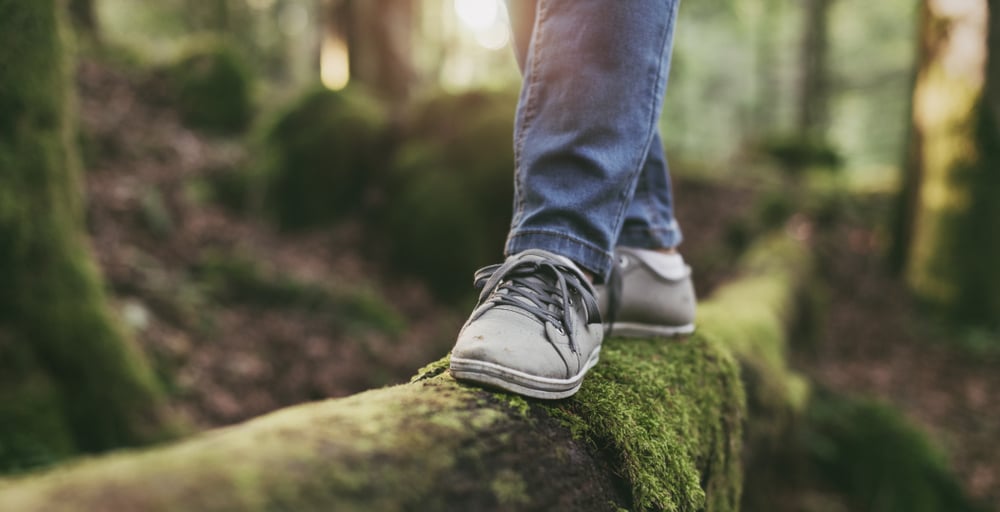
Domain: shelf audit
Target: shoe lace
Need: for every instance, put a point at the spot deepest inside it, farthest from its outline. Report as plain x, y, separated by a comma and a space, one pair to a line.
541, 288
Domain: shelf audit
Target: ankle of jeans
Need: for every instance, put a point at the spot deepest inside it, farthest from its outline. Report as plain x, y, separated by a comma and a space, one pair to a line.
651, 238
586, 255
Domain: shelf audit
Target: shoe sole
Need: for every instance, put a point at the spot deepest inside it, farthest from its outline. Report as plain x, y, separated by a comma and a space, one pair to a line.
508, 379
636, 330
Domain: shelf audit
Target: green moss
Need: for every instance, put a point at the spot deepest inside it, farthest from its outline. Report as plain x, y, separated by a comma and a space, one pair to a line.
751, 317
433, 369
380, 450
447, 208
34, 432
878, 459
324, 151
773, 209
239, 278
233, 188
668, 414
952, 188
53, 300
796, 153
213, 88
510, 490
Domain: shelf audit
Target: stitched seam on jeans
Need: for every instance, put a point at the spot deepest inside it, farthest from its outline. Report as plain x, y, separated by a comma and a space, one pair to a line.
603, 258
530, 107
657, 235
660, 78
559, 234
645, 198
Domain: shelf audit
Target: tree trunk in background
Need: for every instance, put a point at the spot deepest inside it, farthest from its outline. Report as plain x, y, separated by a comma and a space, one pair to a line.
814, 93
954, 164
69, 380
766, 60
84, 18
905, 208
209, 15
379, 39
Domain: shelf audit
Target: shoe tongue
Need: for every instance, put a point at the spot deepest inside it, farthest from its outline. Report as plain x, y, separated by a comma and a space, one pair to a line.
542, 255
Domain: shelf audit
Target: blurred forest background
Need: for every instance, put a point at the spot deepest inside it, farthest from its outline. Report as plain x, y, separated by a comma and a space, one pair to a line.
285, 201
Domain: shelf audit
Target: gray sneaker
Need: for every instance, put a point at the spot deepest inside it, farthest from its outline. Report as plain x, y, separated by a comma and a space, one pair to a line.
536, 330
649, 294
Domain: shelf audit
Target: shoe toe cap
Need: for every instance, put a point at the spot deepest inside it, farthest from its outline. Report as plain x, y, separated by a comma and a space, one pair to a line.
511, 345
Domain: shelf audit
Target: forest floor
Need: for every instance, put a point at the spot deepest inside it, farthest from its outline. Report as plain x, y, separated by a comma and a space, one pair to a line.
240, 319
875, 341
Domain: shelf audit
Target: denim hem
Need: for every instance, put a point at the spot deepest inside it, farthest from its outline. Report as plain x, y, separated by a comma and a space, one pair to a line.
585, 255
651, 238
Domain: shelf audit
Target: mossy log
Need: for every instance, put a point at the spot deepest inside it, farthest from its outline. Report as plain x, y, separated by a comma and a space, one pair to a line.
656, 426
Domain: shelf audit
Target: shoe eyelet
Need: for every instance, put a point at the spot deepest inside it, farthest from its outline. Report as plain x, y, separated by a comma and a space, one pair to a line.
623, 262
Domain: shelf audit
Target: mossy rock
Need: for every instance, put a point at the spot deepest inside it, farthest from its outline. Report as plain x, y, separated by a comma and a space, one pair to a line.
877, 458
324, 150
448, 195
213, 89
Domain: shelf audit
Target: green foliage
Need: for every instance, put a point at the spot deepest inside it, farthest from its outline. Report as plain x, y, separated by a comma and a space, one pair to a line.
324, 151
447, 207
736, 75
874, 455
233, 188
213, 88
773, 209
795, 154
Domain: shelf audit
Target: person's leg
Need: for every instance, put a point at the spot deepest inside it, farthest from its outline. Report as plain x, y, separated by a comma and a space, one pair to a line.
650, 294
649, 221
594, 76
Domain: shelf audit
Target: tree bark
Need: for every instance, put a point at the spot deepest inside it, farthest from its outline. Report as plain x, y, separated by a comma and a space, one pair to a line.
767, 86
656, 426
379, 41
84, 18
814, 93
69, 379
955, 162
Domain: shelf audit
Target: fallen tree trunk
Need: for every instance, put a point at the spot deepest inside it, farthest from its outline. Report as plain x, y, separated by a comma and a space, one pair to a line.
656, 426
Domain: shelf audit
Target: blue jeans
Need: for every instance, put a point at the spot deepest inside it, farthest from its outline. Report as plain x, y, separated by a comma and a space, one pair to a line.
590, 170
